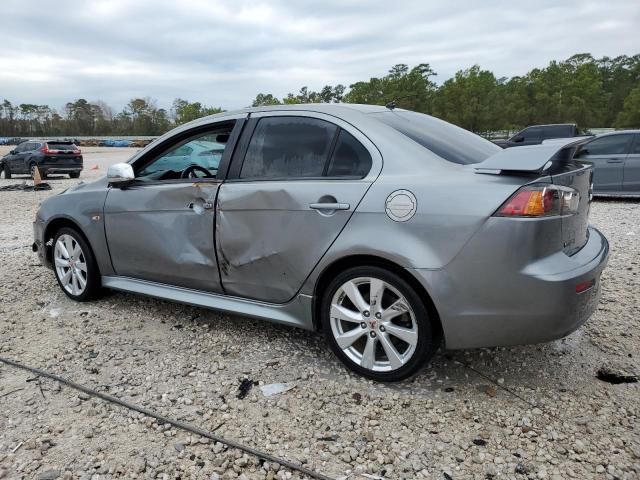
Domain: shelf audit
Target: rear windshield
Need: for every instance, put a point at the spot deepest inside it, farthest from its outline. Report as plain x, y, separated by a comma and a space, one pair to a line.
444, 139
61, 146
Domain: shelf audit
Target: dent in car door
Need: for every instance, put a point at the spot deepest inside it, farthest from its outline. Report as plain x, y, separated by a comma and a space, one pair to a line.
271, 233
164, 233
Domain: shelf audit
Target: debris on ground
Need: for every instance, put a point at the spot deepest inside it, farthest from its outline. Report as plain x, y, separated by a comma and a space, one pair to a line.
245, 387
615, 375
276, 388
25, 187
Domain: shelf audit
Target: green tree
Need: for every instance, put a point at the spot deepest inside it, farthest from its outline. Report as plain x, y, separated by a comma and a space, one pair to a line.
630, 115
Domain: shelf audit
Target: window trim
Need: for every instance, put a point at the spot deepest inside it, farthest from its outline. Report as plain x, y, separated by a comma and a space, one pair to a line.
239, 156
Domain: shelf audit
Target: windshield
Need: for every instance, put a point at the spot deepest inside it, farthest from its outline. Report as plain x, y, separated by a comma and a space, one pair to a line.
452, 143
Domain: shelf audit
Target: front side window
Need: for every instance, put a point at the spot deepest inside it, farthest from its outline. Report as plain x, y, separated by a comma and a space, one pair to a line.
610, 145
288, 147
197, 157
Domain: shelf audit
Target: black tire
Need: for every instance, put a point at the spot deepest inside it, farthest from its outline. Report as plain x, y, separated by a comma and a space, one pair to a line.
74, 174
425, 345
93, 283
6, 171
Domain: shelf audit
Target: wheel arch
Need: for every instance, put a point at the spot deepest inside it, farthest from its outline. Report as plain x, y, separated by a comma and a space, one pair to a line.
351, 261
56, 224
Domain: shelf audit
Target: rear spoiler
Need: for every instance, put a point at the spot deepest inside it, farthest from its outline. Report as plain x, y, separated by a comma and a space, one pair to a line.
532, 158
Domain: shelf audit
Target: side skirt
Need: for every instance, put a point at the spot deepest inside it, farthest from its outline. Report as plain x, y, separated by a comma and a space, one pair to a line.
296, 313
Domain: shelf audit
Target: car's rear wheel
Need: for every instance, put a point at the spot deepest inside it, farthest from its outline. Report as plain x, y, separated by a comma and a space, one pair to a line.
74, 174
377, 324
5, 171
74, 265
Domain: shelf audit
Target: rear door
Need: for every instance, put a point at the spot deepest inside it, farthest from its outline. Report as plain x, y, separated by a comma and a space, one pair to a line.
607, 155
295, 180
631, 178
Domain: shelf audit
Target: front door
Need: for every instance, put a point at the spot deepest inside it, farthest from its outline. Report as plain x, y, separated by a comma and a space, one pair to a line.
607, 154
161, 228
294, 183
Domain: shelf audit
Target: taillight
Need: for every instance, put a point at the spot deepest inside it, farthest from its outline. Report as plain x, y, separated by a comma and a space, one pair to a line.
77, 151
47, 151
542, 200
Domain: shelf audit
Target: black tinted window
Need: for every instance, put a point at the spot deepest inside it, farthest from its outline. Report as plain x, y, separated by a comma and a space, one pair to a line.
637, 147
533, 133
558, 131
449, 142
288, 147
61, 146
610, 145
350, 158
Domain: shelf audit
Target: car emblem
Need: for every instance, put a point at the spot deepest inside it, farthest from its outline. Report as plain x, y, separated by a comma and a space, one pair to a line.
401, 205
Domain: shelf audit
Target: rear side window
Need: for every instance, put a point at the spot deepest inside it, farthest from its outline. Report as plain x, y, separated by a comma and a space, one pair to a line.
288, 147
350, 158
610, 145
449, 142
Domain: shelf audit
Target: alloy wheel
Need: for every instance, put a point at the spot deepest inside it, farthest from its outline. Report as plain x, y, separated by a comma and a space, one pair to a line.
70, 264
373, 324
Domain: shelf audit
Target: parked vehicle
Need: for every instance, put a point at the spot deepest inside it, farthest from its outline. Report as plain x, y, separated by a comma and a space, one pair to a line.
47, 157
389, 230
616, 163
536, 134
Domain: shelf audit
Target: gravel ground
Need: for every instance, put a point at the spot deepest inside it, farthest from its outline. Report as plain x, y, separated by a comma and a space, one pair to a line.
512, 413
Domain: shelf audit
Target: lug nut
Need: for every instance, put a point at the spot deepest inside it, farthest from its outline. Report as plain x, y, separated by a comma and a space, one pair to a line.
366, 313
373, 334
363, 325
382, 329
378, 315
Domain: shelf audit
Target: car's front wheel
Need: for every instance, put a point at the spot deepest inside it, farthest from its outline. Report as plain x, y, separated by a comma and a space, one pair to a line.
377, 324
75, 266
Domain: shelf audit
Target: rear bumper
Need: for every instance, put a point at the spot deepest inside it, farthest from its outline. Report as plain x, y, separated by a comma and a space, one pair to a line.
52, 168
489, 304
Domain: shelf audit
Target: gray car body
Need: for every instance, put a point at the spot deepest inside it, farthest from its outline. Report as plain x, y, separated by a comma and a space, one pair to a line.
616, 174
262, 252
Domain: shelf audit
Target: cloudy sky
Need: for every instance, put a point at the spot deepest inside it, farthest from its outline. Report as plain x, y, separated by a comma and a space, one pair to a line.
223, 53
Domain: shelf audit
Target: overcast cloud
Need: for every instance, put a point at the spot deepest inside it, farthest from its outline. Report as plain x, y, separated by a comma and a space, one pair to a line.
223, 53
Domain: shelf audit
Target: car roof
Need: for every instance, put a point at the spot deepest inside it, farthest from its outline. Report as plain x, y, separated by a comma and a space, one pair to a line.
618, 132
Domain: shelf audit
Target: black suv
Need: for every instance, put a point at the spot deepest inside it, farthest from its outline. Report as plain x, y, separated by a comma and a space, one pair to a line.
536, 134
47, 157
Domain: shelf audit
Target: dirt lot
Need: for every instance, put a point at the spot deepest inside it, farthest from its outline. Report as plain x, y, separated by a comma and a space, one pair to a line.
516, 413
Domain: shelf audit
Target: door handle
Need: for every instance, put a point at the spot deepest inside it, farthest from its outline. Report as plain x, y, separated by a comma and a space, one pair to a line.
329, 206
614, 160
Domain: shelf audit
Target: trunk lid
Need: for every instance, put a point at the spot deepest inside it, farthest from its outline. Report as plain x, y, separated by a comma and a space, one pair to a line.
574, 227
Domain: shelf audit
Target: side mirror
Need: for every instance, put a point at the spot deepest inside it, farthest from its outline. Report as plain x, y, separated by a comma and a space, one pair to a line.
582, 152
120, 175
12, 152
518, 138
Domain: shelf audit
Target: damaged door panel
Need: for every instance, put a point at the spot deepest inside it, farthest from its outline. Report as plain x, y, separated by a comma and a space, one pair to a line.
174, 222
270, 235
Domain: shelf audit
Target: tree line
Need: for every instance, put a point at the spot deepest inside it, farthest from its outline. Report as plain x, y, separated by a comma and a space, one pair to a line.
591, 92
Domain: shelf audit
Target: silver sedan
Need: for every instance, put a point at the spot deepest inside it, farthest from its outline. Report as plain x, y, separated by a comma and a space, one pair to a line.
391, 231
